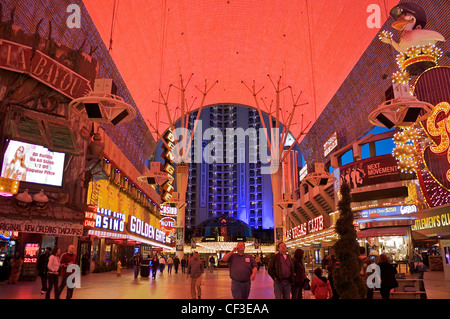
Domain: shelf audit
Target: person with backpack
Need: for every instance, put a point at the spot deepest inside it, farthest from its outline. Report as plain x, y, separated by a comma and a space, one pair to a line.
299, 277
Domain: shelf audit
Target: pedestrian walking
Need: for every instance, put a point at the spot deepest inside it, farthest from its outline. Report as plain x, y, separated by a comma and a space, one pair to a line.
387, 276
53, 266
183, 265
155, 266
162, 264
42, 268
176, 263
67, 259
136, 264
212, 263
320, 286
16, 267
169, 264
281, 270
299, 277
195, 270
243, 270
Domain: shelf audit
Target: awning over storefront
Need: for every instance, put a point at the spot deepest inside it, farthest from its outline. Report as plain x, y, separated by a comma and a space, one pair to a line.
52, 220
382, 231
326, 237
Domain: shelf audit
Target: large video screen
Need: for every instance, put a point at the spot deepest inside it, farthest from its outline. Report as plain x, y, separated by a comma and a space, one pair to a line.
32, 163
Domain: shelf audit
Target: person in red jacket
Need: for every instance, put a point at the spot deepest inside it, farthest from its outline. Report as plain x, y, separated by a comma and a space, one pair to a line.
68, 258
320, 286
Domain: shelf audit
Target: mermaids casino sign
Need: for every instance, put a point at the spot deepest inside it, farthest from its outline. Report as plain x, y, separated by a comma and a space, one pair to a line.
433, 86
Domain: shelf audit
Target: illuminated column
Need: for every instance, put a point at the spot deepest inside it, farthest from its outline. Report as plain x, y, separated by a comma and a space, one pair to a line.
182, 181
277, 186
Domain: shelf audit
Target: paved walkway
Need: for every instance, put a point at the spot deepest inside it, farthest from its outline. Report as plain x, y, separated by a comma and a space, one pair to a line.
215, 285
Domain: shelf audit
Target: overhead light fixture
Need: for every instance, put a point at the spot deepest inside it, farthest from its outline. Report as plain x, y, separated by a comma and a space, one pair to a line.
102, 105
400, 112
8, 187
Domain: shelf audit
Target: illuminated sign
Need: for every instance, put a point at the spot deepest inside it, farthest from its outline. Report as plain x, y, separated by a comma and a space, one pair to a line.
5, 234
434, 147
31, 251
431, 222
312, 226
89, 216
330, 144
167, 223
32, 163
371, 171
141, 228
315, 224
167, 156
386, 211
436, 155
169, 211
106, 219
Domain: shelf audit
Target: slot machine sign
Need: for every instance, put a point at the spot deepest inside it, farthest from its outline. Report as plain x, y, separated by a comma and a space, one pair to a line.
167, 156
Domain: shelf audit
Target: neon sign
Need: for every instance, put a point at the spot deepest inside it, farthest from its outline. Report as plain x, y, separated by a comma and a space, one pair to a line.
167, 187
107, 219
167, 223
169, 211
146, 230
437, 129
312, 226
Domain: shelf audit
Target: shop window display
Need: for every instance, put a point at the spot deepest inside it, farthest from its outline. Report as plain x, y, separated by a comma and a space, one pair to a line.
395, 247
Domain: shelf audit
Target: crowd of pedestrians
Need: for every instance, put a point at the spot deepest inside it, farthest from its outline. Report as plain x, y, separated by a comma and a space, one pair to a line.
290, 278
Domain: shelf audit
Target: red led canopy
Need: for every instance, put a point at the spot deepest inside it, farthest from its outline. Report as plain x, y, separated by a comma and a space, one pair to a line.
312, 45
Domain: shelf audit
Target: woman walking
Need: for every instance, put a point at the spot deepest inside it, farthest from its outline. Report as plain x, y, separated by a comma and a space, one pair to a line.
387, 275
53, 272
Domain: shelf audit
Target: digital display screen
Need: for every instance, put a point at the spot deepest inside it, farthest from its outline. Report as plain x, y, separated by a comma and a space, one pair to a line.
32, 163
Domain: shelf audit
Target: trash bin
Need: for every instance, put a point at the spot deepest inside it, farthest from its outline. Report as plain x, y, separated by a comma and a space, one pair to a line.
145, 268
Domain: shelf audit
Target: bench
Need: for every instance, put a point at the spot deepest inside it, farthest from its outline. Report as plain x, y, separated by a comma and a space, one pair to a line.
407, 289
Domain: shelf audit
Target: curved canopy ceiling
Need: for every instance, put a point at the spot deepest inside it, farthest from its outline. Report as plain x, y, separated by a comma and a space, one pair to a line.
310, 46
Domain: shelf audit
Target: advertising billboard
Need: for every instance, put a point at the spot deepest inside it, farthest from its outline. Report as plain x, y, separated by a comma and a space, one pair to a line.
32, 163
375, 170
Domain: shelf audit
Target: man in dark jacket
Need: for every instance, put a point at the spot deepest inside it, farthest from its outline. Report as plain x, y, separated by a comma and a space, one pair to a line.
42, 268
281, 270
